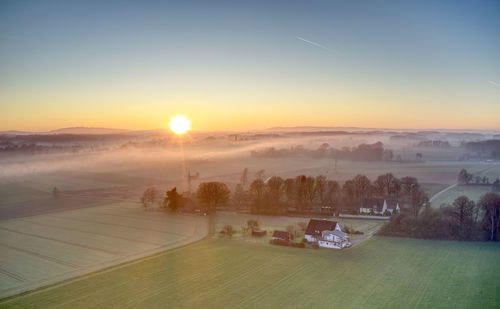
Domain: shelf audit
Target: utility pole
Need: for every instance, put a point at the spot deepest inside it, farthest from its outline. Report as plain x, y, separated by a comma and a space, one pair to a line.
189, 182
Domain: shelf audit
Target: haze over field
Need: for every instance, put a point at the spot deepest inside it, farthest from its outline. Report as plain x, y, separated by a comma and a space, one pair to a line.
239, 154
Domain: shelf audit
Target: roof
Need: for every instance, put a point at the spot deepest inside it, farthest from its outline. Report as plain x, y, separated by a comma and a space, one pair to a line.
373, 202
392, 204
281, 235
316, 226
339, 233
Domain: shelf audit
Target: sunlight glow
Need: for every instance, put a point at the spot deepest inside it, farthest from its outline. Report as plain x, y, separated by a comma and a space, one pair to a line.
180, 124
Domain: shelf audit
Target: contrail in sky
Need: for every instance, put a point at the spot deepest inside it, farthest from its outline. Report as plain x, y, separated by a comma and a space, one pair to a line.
313, 43
493, 83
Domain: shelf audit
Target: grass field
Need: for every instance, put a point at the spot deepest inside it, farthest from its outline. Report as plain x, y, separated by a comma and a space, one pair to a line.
379, 273
43, 249
472, 192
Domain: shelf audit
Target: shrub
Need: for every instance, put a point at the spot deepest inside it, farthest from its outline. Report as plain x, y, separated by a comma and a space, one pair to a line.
252, 224
228, 230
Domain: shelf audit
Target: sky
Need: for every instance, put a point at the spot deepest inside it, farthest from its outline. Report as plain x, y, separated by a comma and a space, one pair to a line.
244, 65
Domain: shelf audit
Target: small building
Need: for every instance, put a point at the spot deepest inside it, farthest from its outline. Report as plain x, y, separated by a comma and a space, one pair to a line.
259, 233
281, 237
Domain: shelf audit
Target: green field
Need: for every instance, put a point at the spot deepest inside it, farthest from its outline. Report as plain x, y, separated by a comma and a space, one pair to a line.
472, 192
379, 273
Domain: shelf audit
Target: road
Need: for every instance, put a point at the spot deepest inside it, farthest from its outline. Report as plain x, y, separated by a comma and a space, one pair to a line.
441, 192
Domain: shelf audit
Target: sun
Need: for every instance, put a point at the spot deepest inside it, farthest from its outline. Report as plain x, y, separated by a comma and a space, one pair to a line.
180, 124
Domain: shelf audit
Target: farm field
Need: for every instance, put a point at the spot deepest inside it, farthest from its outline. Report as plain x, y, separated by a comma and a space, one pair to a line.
14, 193
44, 249
382, 272
471, 191
492, 171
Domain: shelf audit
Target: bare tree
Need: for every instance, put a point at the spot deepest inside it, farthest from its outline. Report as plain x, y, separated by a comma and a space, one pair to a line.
464, 177
213, 194
150, 196
361, 186
289, 188
490, 203
275, 184
385, 183
464, 211
418, 199
241, 197
332, 193
407, 183
310, 191
321, 188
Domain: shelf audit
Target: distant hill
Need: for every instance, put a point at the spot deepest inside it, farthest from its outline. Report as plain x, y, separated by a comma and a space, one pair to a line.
87, 130
71, 130
312, 128
14, 132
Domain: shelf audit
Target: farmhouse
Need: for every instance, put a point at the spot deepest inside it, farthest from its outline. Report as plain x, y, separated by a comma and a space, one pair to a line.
326, 233
333, 239
378, 205
393, 206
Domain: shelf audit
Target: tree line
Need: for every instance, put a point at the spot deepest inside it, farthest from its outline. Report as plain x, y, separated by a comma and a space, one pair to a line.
306, 193
463, 220
276, 195
466, 178
362, 152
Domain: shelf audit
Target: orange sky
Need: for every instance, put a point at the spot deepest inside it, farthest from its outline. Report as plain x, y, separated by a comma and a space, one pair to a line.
244, 67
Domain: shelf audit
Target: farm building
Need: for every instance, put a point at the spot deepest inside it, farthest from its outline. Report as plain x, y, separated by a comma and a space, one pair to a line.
378, 205
259, 233
280, 236
327, 234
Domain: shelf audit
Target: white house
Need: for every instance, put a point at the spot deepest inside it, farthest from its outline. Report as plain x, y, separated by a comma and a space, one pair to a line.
378, 206
374, 205
393, 206
333, 239
327, 234
316, 227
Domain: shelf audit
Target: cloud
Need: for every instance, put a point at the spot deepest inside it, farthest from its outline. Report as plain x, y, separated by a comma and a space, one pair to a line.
313, 43
319, 45
494, 83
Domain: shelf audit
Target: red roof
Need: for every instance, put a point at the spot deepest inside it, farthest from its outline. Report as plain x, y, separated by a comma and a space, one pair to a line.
316, 227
